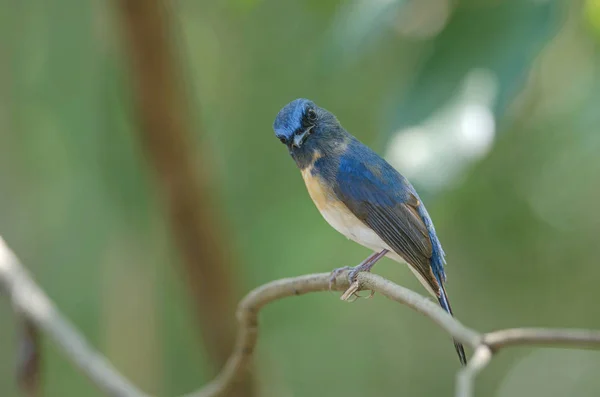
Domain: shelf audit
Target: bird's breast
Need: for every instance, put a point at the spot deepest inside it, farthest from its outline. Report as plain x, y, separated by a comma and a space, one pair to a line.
337, 214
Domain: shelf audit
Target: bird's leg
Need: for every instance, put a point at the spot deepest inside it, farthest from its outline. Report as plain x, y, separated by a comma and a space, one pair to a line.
364, 266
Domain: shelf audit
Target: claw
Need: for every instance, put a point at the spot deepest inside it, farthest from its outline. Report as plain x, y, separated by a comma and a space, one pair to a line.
351, 291
355, 296
335, 273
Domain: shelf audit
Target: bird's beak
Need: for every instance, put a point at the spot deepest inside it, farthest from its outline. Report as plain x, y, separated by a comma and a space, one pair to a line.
300, 138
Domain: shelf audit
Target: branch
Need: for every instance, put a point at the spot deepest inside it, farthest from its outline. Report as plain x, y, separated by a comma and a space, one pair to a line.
465, 380
542, 336
31, 303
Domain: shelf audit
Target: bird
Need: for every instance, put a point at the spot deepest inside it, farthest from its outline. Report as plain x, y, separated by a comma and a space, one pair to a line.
363, 197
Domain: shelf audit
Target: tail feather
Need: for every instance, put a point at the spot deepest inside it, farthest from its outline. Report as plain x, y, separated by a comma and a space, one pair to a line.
445, 304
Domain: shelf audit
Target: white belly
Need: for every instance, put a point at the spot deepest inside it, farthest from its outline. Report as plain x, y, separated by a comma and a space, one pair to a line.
350, 226
345, 222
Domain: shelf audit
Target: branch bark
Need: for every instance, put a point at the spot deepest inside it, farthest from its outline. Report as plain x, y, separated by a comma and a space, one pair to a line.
30, 302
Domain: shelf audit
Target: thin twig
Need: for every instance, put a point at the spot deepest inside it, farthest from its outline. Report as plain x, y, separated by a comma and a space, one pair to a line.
541, 336
31, 303
465, 380
250, 306
29, 358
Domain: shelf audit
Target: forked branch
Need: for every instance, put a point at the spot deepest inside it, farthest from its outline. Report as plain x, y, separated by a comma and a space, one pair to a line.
31, 303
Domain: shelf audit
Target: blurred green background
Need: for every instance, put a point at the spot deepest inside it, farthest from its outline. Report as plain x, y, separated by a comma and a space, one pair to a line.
491, 108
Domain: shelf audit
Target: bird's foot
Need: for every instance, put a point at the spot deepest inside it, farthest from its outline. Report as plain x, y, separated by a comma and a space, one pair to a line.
351, 294
364, 266
335, 273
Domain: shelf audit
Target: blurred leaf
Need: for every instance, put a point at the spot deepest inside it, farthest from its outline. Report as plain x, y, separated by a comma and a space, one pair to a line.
592, 13
504, 37
28, 359
358, 23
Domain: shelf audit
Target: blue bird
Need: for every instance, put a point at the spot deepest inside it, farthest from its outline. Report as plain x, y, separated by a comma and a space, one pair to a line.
363, 197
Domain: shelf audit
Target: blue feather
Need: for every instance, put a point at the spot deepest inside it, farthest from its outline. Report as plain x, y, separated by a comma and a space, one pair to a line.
370, 189
445, 304
365, 177
289, 119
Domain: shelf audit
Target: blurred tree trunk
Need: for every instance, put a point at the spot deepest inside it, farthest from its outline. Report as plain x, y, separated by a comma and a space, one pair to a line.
165, 135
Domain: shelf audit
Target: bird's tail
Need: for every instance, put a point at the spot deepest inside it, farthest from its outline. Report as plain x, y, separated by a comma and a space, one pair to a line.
445, 303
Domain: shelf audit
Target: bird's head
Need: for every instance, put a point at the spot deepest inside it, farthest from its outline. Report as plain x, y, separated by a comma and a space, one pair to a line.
306, 128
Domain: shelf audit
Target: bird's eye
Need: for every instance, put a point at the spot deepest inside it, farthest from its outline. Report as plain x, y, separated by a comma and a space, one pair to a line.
283, 140
311, 115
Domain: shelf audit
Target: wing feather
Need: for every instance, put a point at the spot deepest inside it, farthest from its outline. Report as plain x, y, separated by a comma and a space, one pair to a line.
385, 202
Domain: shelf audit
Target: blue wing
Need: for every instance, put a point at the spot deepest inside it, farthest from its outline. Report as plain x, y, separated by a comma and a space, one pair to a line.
386, 202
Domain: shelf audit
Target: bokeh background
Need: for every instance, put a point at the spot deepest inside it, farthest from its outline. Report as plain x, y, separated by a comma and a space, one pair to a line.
491, 108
